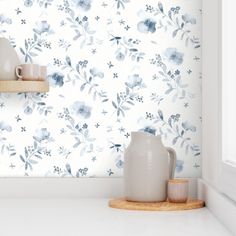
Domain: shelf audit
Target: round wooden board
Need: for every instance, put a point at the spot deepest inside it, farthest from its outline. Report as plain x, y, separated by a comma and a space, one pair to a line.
121, 203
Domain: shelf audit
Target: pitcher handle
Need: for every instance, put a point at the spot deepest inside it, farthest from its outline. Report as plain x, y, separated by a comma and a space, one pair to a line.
172, 155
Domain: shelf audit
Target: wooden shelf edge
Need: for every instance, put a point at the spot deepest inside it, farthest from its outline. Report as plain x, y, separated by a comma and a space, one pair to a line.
18, 86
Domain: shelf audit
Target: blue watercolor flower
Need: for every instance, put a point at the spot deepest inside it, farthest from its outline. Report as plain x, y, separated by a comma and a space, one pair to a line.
187, 126
189, 19
179, 166
96, 73
174, 56
5, 126
28, 3
175, 118
149, 129
4, 19
56, 79
42, 135
28, 110
83, 4
134, 81
120, 56
81, 109
119, 164
42, 27
175, 10
146, 26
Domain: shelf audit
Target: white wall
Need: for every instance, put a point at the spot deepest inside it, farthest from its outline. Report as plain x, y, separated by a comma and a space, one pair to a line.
82, 126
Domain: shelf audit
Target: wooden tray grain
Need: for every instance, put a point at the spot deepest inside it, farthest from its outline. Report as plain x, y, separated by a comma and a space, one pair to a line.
121, 203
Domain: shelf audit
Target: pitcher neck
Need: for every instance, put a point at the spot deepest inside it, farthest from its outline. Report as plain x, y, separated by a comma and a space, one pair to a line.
142, 136
5, 39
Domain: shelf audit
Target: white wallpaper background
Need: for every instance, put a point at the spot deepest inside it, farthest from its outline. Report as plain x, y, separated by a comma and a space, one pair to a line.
114, 66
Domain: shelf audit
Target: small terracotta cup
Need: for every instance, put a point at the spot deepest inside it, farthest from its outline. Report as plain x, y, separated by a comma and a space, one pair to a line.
178, 190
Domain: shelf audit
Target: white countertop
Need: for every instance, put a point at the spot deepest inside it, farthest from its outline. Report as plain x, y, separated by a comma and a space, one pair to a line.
92, 217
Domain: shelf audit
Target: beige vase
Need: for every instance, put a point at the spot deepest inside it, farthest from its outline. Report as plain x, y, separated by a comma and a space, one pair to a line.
8, 60
148, 165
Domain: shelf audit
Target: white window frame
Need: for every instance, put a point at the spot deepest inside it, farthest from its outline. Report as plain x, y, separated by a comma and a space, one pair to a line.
215, 172
227, 170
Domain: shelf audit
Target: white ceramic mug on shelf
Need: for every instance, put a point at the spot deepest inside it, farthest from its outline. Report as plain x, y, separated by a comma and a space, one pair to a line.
42, 72
28, 71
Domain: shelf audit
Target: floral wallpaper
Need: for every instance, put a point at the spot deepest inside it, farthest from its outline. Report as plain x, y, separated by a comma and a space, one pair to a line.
114, 66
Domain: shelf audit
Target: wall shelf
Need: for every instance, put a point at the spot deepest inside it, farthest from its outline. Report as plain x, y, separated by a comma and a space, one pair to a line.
18, 86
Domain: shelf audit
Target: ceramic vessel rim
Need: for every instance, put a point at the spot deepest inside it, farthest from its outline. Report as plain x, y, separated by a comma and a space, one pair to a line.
135, 133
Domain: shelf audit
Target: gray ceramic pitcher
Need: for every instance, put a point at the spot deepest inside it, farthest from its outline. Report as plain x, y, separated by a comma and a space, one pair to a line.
147, 167
8, 60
